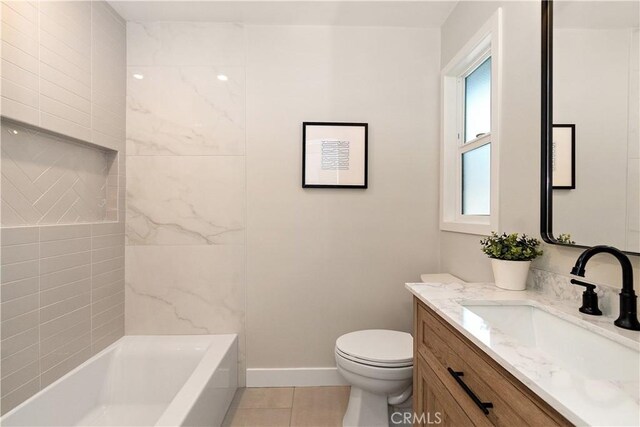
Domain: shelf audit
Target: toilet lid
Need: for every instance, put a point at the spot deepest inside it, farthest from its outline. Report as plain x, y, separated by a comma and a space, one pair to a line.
377, 345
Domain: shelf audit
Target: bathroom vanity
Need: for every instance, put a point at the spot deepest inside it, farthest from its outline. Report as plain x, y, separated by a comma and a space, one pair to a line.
483, 356
457, 379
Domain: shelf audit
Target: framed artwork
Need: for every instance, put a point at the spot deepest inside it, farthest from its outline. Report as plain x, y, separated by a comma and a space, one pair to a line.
563, 170
334, 155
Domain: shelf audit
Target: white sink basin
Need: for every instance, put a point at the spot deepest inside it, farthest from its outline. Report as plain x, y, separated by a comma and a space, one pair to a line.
582, 355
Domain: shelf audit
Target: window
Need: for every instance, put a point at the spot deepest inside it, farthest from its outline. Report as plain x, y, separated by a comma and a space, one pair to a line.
477, 101
475, 146
476, 181
470, 138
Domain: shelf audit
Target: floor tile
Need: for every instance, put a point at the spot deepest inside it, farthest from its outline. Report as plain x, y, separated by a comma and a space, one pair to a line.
255, 398
257, 417
319, 406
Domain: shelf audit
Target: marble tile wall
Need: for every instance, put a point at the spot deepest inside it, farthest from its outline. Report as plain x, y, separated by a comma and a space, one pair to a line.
61, 286
185, 220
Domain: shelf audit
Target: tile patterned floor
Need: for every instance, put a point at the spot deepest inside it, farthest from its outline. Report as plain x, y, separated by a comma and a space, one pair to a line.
288, 406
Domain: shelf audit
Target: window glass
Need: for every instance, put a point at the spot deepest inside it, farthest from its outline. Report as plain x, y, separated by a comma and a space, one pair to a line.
476, 181
477, 102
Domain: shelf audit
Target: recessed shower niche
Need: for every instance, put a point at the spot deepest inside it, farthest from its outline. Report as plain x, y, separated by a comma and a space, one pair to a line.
49, 178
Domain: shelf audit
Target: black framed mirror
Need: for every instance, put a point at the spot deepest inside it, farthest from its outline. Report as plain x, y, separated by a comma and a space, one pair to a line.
589, 124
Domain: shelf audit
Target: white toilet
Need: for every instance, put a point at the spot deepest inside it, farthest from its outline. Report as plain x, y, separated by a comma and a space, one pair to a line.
378, 364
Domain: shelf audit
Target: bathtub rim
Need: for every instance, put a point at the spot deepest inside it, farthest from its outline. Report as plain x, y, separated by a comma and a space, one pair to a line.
182, 403
112, 347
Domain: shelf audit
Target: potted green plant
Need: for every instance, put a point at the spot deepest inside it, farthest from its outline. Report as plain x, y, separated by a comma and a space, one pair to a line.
511, 256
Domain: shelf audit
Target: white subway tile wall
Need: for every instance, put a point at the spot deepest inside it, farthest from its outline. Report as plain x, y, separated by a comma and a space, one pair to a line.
20, 61
62, 291
61, 286
63, 68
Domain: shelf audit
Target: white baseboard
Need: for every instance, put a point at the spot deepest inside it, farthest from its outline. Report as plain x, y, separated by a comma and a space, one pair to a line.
294, 377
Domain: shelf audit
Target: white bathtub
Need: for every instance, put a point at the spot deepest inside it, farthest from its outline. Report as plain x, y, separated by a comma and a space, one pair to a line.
177, 380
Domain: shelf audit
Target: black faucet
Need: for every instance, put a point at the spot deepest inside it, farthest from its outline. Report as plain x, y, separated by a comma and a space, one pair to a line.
628, 318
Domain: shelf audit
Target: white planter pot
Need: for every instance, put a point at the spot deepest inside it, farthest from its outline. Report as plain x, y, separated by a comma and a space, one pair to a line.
511, 275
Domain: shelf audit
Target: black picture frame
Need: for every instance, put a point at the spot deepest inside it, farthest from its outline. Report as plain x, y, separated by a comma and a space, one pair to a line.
572, 184
365, 184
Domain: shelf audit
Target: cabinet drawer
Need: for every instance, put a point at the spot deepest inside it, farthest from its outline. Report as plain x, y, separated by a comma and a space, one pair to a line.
431, 335
445, 348
436, 405
510, 405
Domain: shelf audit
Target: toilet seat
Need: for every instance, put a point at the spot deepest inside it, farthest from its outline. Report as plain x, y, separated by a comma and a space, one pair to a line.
373, 362
377, 347
378, 373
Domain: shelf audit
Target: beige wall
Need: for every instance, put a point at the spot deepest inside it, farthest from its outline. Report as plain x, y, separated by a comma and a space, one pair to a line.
62, 283
323, 262
520, 143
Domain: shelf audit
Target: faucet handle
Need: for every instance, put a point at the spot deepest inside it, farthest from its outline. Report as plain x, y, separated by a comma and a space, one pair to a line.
589, 298
578, 271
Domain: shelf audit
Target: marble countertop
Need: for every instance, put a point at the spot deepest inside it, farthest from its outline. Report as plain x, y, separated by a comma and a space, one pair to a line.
582, 400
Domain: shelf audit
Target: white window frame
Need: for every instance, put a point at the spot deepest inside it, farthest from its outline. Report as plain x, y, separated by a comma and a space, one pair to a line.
487, 42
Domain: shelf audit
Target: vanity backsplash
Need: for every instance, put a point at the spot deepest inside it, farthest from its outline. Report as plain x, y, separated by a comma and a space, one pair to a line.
558, 286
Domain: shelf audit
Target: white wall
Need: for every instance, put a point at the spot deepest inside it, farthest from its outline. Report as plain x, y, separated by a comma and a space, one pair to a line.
633, 152
520, 143
323, 262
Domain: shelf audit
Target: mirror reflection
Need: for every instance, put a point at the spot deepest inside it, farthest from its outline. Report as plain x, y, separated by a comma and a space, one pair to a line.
596, 143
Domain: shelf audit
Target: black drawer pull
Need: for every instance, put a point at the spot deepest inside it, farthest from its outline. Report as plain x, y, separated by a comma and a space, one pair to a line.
484, 406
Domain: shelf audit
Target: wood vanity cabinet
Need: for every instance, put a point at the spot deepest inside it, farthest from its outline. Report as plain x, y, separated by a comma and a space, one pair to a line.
453, 380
